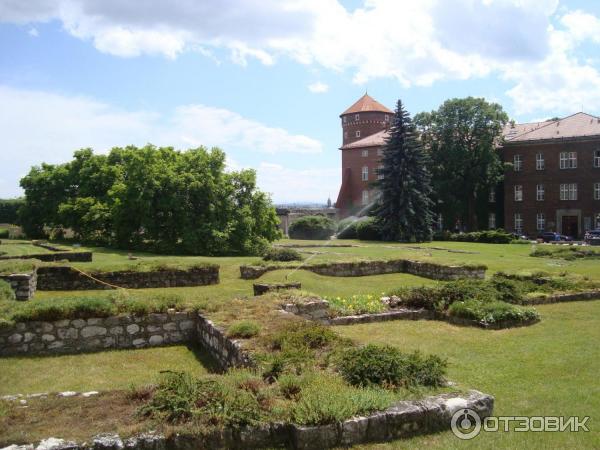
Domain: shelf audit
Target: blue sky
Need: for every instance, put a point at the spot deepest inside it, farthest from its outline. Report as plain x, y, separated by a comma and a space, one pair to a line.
266, 79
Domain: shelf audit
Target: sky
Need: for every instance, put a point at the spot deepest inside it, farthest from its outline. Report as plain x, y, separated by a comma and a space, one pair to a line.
266, 80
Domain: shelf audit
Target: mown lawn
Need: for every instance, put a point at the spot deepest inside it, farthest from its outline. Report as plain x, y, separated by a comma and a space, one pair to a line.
550, 368
114, 369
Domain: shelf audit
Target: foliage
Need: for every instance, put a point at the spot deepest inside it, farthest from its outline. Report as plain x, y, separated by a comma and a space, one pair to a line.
312, 227
488, 237
151, 198
349, 231
243, 329
382, 365
569, 253
327, 398
282, 254
369, 230
9, 210
4, 233
404, 208
6, 292
462, 137
17, 266
356, 304
491, 312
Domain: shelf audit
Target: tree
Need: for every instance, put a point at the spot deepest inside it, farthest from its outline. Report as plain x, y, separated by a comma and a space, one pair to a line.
404, 207
150, 198
462, 139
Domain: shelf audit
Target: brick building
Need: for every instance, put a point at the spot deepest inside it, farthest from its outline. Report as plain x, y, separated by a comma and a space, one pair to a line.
553, 185
364, 127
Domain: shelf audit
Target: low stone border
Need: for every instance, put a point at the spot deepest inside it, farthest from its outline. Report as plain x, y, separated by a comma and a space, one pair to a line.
315, 245
577, 296
47, 246
227, 352
263, 288
402, 420
66, 278
399, 314
57, 256
317, 310
24, 284
367, 268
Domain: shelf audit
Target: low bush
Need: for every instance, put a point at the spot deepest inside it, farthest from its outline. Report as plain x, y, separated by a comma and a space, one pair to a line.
4, 233
492, 312
488, 237
569, 253
369, 230
349, 231
282, 254
312, 227
301, 334
327, 398
244, 329
6, 292
356, 304
386, 366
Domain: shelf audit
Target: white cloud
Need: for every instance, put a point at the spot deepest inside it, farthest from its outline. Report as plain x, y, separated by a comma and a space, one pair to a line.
288, 185
318, 87
45, 127
33, 32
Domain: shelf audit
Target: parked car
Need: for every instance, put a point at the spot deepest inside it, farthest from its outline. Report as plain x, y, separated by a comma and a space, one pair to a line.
551, 236
592, 237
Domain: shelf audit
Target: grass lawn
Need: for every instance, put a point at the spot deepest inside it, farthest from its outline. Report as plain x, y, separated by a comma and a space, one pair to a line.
550, 368
19, 248
115, 369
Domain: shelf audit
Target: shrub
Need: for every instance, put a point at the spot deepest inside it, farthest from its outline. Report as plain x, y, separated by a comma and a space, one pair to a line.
6, 292
3, 233
304, 335
312, 227
382, 365
369, 230
328, 399
491, 312
567, 253
344, 223
489, 237
356, 304
244, 329
282, 254
349, 231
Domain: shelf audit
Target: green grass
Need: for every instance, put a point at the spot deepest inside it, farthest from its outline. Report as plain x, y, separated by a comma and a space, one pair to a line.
21, 248
114, 369
550, 368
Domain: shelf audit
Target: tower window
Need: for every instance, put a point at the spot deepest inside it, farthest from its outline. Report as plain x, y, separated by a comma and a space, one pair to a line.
364, 153
518, 163
356, 117
344, 119
518, 193
365, 173
540, 163
357, 133
387, 118
379, 152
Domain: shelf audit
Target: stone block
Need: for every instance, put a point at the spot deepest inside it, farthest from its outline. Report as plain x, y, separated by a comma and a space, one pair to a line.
116, 330
354, 431
315, 438
93, 330
157, 339
78, 323
48, 338
133, 328
15, 338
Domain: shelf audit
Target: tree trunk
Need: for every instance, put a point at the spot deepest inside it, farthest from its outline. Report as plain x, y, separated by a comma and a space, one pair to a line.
472, 212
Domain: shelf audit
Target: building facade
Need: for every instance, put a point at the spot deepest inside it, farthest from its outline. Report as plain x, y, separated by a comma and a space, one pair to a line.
554, 180
364, 128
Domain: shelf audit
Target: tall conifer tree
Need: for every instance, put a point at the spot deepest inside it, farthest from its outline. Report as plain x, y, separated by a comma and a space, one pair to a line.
404, 209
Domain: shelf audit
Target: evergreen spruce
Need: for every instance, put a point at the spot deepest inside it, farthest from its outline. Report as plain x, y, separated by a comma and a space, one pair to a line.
404, 208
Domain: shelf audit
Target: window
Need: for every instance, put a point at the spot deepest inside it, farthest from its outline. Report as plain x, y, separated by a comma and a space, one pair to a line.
598, 221
540, 193
568, 191
356, 117
492, 197
540, 221
357, 134
568, 160
365, 173
387, 118
518, 193
379, 172
492, 221
518, 223
379, 152
365, 197
596, 191
540, 163
344, 119
345, 135
364, 153
597, 158
518, 163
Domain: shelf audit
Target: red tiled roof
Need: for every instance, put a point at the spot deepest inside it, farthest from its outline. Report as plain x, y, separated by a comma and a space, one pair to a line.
374, 140
574, 126
366, 104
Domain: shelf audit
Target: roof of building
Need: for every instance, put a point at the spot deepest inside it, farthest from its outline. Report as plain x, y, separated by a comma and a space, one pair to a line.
374, 140
575, 126
366, 104
579, 125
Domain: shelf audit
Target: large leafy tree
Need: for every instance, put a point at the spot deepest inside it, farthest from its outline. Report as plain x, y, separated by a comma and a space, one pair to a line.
152, 198
462, 138
404, 206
